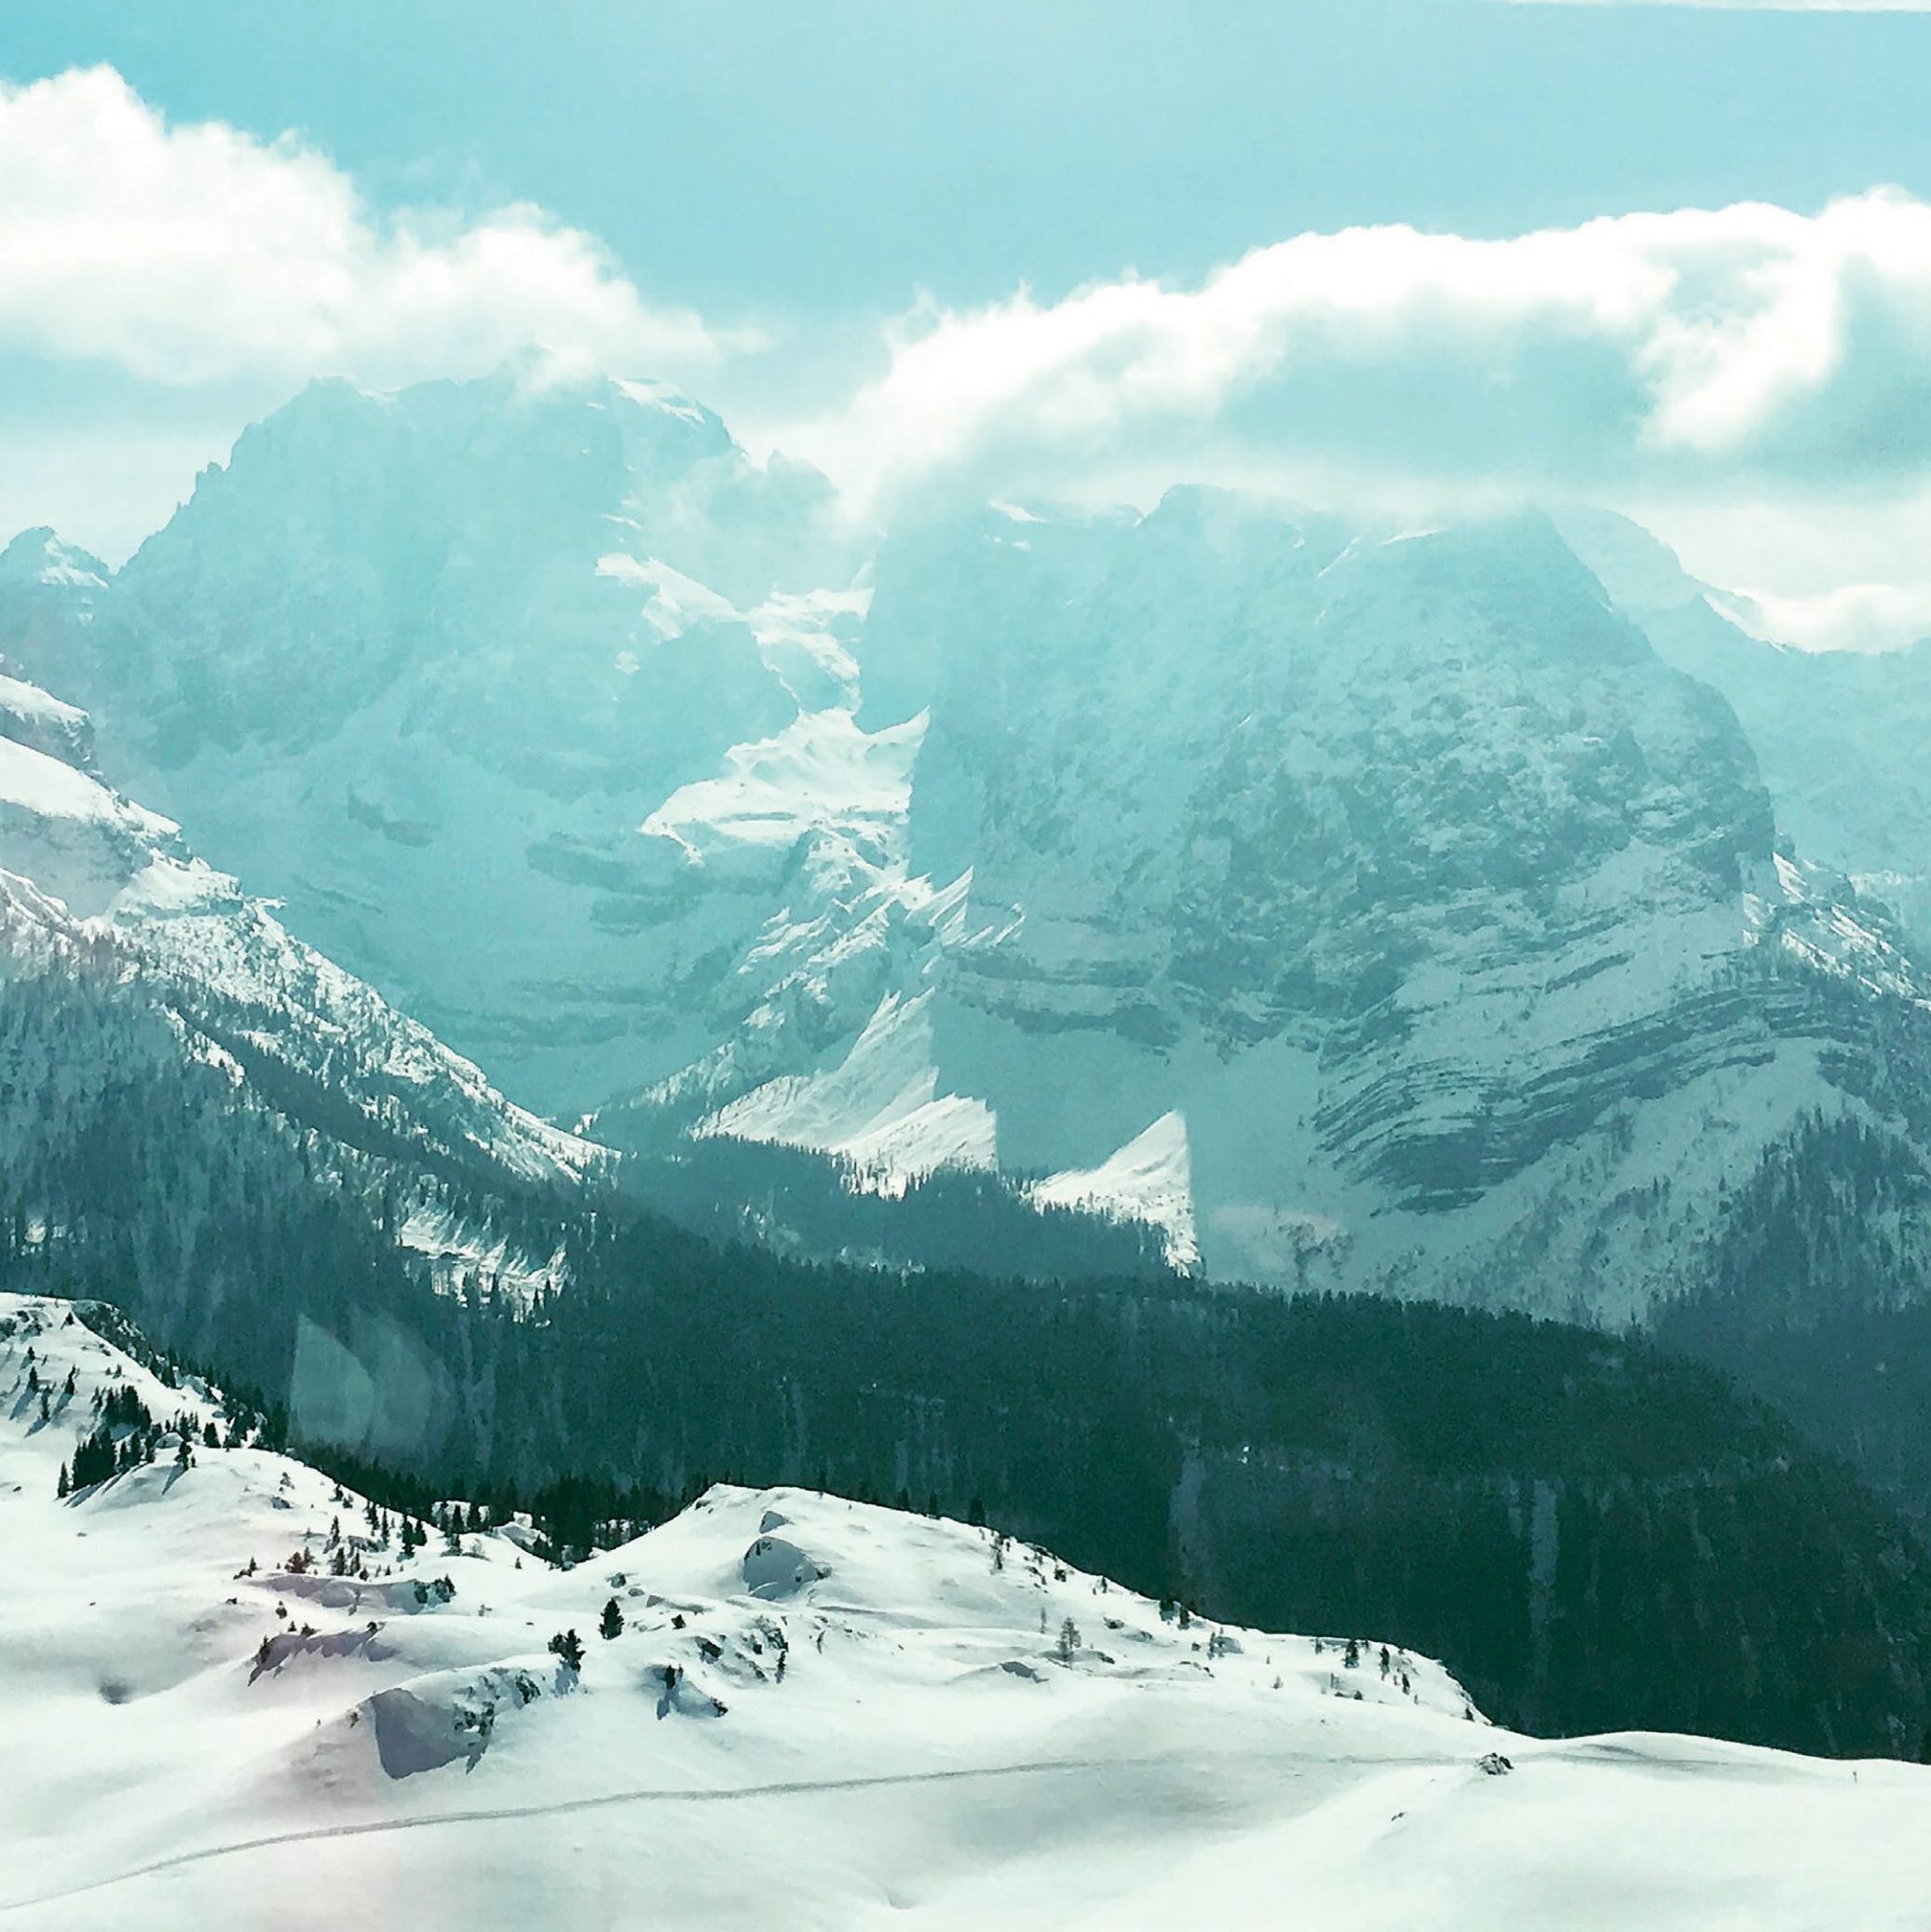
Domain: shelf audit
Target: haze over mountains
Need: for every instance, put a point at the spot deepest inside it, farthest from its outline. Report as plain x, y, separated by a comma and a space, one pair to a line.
891, 1029
1361, 908
497, 839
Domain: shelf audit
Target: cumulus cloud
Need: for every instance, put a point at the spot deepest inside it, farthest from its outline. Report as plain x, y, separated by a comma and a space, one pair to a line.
1635, 352
196, 254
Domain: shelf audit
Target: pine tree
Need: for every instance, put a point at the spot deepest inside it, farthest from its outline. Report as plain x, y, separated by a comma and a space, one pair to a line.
567, 1645
1068, 1640
60, 1486
611, 1623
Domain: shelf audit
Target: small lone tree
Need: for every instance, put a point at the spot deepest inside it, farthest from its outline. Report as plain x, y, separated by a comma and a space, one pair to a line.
1068, 1642
611, 1623
567, 1645
60, 1486
1353, 1659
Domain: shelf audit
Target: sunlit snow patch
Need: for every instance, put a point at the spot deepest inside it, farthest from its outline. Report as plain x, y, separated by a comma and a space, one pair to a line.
880, 1107
819, 770
1150, 1179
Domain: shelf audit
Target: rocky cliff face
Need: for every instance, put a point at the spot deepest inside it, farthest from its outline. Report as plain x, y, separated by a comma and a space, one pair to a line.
1839, 735
1369, 911
1364, 909
420, 665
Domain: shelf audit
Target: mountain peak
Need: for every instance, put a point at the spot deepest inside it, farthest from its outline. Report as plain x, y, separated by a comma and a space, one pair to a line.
40, 556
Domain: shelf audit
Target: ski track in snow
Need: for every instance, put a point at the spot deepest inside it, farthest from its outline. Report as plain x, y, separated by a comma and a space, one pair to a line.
798, 1788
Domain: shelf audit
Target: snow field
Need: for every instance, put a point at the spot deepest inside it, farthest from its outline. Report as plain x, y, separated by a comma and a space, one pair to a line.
817, 1712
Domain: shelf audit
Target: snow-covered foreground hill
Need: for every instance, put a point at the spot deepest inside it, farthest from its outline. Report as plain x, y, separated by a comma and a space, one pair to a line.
817, 1713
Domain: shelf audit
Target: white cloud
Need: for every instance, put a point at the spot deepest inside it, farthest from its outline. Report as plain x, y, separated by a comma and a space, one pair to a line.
1847, 570
1645, 351
1752, 380
196, 254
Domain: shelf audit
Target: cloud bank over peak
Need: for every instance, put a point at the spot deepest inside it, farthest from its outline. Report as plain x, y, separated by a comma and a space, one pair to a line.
196, 254
1686, 349
1752, 380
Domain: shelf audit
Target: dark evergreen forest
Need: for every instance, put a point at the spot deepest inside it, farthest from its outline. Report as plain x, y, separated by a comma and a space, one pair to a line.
1592, 1533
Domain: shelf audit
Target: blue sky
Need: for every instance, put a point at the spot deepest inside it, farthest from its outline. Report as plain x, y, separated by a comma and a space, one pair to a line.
835, 155
787, 203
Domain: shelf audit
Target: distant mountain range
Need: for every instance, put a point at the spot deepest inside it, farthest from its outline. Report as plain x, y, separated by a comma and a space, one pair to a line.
1479, 913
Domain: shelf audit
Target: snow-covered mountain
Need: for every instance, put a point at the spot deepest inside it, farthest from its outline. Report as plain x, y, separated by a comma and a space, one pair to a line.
1361, 908
420, 666
138, 978
224, 1663
1368, 910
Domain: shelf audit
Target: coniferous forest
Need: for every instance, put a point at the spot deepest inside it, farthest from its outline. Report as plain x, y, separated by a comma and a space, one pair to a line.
1594, 1533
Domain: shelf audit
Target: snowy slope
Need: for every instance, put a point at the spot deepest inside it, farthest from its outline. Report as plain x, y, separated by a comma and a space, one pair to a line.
83, 869
868, 1720
1148, 1179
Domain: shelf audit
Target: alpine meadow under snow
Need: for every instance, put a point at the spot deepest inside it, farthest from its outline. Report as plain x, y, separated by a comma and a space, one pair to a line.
238, 1695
